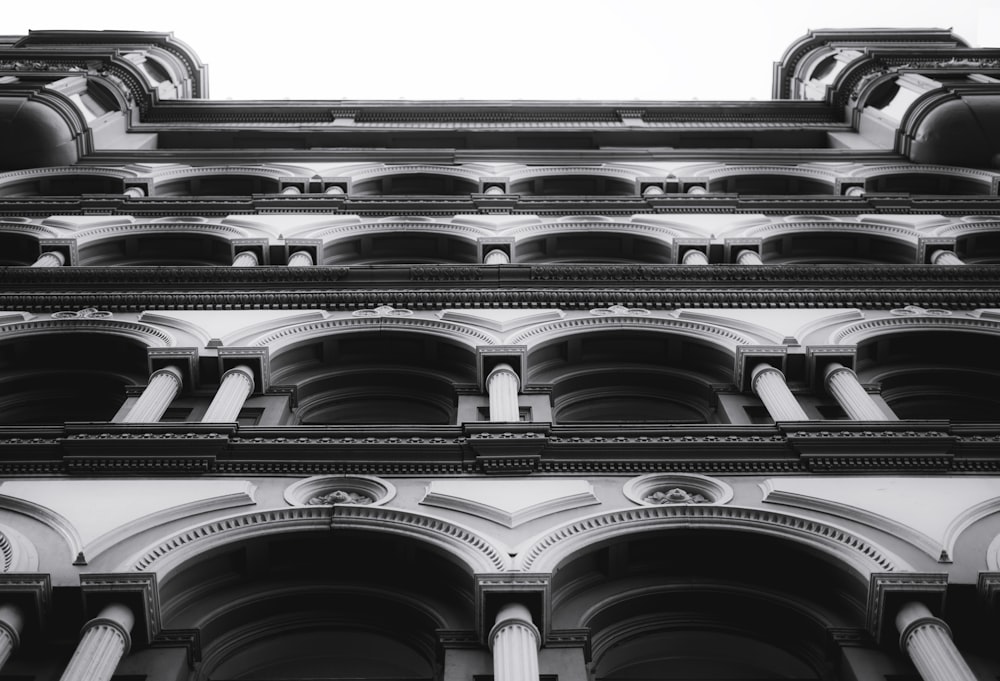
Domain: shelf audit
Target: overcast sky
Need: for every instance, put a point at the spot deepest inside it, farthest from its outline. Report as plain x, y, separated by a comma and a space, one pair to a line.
515, 49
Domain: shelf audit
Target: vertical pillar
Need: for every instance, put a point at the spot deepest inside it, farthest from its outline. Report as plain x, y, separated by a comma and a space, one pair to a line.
135, 192
694, 257
300, 259
496, 257
245, 259
50, 259
334, 189
945, 257
494, 190
927, 640
769, 385
502, 385
291, 189
234, 389
748, 257
843, 384
515, 641
163, 386
103, 642
11, 624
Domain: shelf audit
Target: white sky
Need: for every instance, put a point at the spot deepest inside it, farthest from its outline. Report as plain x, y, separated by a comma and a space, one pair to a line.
514, 49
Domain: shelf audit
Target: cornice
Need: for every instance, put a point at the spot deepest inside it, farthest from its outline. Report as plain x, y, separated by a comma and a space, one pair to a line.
120, 289
816, 447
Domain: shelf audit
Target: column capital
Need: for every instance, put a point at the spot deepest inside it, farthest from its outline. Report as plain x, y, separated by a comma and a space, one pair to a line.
763, 368
514, 614
172, 372
118, 617
913, 615
503, 368
242, 371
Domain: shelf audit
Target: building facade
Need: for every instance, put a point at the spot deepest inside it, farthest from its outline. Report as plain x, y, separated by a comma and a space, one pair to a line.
459, 391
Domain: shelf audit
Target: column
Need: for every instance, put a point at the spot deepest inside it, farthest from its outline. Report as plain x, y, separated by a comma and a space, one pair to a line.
843, 384
496, 257
135, 192
104, 641
769, 385
748, 257
494, 190
234, 389
334, 189
694, 257
163, 386
502, 385
50, 259
945, 257
927, 640
515, 641
245, 259
291, 189
11, 624
300, 259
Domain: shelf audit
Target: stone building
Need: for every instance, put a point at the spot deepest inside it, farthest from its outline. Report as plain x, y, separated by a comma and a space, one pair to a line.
607, 391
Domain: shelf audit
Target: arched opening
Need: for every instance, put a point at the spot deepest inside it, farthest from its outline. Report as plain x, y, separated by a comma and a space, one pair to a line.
631, 376
218, 184
769, 184
832, 246
573, 185
18, 249
157, 248
705, 604
979, 247
593, 246
399, 247
74, 376
299, 606
927, 183
934, 374
387, 376
409, 184
70, 184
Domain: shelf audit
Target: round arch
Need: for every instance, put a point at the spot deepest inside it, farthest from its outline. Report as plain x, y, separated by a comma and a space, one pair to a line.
856, 554
399, 241
409, 179
456, 543
573, 180
835, 241
64, 181
589, 240
927, 179
977, 240
158, 243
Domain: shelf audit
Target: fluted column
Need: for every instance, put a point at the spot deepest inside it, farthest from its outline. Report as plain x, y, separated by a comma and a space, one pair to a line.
927, 640
234, 389
104, 641
769, 385
50, 259
291, 189
300, 259
502, 385
11, 624
748, 257
944, 257
843, 384
163, 386
515, 641
497, 257
245, 259
694, 257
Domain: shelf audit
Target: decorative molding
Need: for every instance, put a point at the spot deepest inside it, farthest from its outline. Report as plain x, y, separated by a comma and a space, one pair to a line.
330, 490
509, 503
464, 544
659, 490
86, 313
383, 311
619, 311
546, 552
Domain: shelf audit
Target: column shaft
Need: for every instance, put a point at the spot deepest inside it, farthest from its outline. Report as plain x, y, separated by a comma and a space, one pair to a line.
514, 641
843, 384
50, 259
502, 385
104, 642
927, 640
300, 259
945, 257
235, 387
769, 385
748, 257
245, 259
163, 386
11, 624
